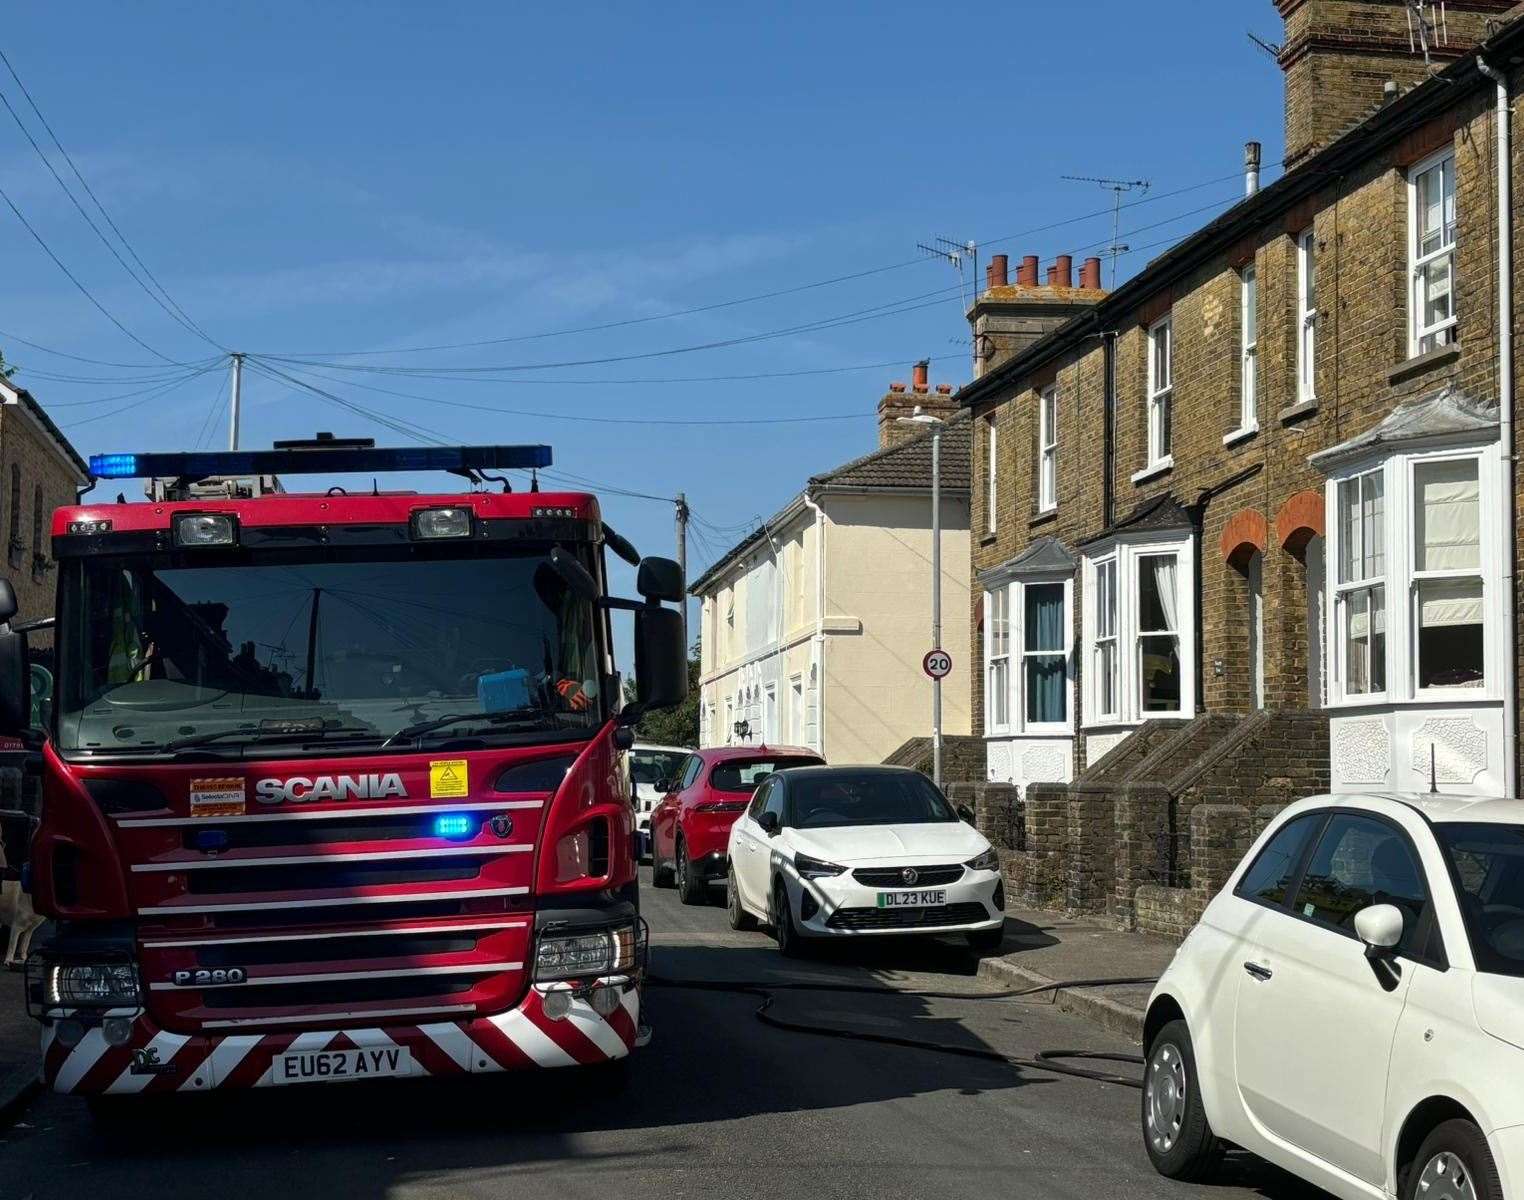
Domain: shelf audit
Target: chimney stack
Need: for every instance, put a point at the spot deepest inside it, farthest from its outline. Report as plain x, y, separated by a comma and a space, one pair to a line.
899, 402
1251, 168
999, 268
1090, 274
1027, 277
918, 375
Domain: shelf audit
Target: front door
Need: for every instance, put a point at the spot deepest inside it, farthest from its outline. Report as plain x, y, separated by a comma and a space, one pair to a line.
1315, 1018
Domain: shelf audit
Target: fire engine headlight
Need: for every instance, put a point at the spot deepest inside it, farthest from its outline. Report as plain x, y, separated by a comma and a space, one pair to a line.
205, 529
571, 955
431, 523
104, 985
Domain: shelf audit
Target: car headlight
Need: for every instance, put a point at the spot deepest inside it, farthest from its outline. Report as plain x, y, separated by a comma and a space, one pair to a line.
815, 868
95, 985
571, 955
988, 861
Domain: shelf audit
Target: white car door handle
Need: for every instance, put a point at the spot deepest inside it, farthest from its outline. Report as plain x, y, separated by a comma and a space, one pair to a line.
1259, 972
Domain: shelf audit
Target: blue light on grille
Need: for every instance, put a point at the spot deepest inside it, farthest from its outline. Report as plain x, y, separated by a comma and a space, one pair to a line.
114, 466
455, 826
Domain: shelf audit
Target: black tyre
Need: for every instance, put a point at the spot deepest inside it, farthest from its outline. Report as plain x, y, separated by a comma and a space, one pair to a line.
987, 941
739, 917
789, 942
661, 873
1180, 1143
691, 888
1453, 1163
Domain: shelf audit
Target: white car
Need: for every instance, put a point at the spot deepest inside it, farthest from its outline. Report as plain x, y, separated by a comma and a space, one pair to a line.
654, 770
1351, 1006
827, 852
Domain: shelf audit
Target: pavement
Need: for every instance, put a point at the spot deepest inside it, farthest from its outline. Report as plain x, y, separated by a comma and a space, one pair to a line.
718, 1104
20, 1049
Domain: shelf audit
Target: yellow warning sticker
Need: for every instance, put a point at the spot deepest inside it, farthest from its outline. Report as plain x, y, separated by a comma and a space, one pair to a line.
448, 779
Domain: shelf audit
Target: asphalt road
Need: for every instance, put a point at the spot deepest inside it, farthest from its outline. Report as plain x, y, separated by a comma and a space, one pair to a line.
717, 1105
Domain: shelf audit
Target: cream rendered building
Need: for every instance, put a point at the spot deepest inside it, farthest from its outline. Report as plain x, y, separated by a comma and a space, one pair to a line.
814, 626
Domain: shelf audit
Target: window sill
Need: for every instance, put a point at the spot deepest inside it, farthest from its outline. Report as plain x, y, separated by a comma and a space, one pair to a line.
1302, 408
1419, 364
1242, 434
988, 539
1044, 517
1154, 470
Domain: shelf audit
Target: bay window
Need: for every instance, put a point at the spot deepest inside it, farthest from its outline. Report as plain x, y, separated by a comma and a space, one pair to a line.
997, 640
1431, 253
1447, 574
1047, 450
1139, 631
1360, 594
1029, 620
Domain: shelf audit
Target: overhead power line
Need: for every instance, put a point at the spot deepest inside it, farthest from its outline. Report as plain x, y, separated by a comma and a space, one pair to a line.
98, 362
156, 393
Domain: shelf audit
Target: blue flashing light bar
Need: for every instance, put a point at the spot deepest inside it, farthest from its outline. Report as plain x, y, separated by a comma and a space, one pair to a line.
455, 826
318, 460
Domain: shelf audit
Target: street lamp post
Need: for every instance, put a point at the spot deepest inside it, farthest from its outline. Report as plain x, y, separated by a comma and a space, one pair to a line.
920, 417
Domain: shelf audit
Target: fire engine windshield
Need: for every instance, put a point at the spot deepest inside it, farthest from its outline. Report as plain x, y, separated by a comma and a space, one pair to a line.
246, 656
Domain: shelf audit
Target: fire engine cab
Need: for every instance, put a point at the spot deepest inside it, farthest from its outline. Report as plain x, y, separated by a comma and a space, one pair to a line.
335, 783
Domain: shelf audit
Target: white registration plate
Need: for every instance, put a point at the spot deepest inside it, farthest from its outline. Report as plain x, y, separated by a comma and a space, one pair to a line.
314, 1066
912, 899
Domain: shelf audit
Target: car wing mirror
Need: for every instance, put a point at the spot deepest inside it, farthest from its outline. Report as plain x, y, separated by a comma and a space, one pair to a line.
769, 823
1380, 927
965, 814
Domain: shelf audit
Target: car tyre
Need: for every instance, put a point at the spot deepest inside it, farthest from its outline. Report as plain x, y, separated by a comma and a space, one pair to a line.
691, 888
790, 944
661, 873
987, 941
739, 917
1453, 1161
1179, 1141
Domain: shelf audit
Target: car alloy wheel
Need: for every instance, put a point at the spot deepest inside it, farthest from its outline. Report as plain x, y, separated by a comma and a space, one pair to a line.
739, 917
1164, 1096
1445, 1177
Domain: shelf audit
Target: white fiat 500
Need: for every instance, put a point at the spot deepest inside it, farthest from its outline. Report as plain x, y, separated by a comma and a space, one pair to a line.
854, 851
1351, 1006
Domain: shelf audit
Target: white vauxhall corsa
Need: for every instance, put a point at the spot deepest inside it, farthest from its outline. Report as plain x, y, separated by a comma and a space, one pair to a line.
855, 851
1351, 1006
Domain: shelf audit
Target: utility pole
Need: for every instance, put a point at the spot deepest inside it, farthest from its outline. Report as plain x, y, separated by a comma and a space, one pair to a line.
237, 396
925, 418
682, 557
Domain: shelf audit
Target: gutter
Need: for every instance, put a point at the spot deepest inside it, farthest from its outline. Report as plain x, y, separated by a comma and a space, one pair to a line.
1505, 420
819, 638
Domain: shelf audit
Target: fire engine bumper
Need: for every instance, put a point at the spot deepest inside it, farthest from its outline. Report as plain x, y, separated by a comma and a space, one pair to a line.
556, 1025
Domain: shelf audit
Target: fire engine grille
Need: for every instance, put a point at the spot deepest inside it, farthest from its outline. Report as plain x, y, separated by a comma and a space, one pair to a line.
894, 877
330, 992
908, 918
337, 915
358, 946
309, 876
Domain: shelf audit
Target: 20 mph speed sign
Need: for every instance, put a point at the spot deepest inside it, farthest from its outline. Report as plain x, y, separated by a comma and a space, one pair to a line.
937, 663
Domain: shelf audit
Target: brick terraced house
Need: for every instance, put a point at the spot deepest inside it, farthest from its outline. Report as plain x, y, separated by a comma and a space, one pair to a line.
1246, 527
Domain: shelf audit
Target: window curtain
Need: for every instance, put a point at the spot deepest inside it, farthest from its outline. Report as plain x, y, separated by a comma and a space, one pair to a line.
1448, 516
1164, 586
1044, 612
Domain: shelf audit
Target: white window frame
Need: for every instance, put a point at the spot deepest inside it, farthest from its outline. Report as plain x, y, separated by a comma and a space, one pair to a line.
1343, 595
1248, 354
994, 598
1047, 449
1421, 337
1101, 636
1020, 654
992, 464
1161, 394
1126, 555
796, 710
1401, 581
1306, 317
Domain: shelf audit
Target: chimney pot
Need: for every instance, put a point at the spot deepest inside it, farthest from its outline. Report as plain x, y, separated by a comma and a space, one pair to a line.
944, 389
1052, 276
1090, 274
1028, 275
999, 271
1063, 268
896, 387
918, 375
989, 276
1251, 168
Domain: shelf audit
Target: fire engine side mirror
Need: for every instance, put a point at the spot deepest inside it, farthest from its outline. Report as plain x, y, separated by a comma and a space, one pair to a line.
8, 605
15, 682
660, 579
661, 663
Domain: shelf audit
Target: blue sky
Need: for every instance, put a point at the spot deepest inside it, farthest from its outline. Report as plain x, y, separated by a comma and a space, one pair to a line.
319, 179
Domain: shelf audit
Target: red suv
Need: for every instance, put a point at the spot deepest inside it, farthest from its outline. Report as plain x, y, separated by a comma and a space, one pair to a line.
690, 827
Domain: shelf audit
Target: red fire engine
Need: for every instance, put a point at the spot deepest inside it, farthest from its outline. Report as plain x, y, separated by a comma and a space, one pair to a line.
335, 784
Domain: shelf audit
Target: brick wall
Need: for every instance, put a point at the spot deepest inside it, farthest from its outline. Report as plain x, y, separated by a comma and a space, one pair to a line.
35, 478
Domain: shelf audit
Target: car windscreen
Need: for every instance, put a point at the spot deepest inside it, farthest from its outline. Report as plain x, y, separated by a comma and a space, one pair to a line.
825, 799
158, 648
655, 766
748, 774
1487, 862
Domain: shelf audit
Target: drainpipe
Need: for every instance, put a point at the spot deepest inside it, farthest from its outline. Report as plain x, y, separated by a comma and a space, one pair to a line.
1505, 420
819, 639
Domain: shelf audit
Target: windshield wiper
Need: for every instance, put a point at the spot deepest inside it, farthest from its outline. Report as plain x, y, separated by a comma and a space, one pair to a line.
275, 733
512, 716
